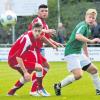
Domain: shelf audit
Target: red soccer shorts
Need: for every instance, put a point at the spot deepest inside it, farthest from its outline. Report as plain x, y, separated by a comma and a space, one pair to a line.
29, 60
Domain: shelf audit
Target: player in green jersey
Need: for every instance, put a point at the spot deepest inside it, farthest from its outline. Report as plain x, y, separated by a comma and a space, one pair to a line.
77, 60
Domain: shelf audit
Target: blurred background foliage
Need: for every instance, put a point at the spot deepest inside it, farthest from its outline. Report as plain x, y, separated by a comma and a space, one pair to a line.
71, 12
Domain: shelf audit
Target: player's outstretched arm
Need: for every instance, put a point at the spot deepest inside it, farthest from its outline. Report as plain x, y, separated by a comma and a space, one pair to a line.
56, 43
47, 41
80, 37
49, 31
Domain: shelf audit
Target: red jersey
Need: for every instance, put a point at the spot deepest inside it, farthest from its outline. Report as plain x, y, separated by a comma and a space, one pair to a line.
44, 26
22, 44
22, 48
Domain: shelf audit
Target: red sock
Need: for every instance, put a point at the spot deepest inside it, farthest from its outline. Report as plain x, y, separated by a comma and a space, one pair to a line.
35, 84
44, 73
39, 82
17, 85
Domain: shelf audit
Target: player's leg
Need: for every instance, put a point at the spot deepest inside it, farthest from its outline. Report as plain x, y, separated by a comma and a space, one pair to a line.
39, 75
90, 68
18, 84
95, 77
76, 75
29, 63
39, 78
34, 82
29, 66
75, 68
45, 71
35, 85
45, 65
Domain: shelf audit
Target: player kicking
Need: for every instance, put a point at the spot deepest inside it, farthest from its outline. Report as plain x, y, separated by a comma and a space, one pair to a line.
78, 62
42, 15
23, 58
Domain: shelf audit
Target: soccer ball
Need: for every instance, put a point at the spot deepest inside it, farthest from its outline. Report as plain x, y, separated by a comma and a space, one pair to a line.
8, 18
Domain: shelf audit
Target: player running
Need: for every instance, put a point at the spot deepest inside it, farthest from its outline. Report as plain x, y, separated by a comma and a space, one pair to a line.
77, 61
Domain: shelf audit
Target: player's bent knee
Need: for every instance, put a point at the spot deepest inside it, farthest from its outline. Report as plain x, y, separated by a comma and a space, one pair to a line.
78, 76
46, 64
47, 67
78, 73
94, 71
38, 67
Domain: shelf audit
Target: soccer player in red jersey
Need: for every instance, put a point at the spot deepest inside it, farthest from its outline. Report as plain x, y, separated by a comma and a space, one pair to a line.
42, 15
24, 58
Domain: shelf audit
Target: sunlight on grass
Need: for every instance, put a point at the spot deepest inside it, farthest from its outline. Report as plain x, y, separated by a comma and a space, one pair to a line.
79, 90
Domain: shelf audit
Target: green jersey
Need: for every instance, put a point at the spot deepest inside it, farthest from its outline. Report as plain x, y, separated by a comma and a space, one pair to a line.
74, 46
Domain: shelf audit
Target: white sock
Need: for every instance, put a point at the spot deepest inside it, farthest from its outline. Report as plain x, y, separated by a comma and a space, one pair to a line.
39, 74
96, 80
22, 80
68, 80
45, 68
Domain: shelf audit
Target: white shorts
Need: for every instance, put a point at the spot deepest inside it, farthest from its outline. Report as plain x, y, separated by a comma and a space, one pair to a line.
77, 61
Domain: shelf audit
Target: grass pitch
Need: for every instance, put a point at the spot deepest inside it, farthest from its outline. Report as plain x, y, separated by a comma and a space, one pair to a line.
79, 90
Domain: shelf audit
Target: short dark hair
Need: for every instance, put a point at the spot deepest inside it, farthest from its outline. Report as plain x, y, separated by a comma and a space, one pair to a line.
43, 6
36, 25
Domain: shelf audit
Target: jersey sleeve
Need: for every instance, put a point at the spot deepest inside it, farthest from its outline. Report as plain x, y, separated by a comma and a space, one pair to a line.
47, 35
81, 30
24, 45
